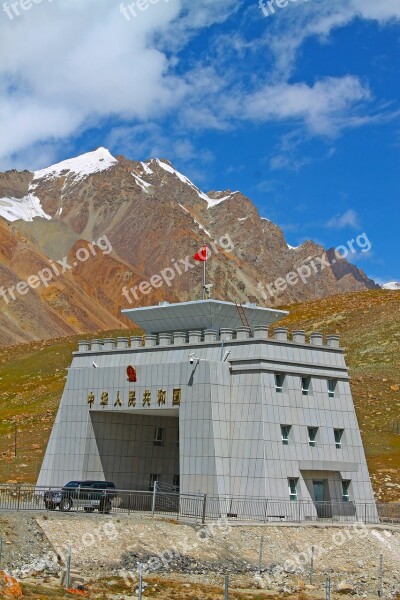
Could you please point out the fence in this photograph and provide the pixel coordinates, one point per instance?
(394, 426)
(196, 507)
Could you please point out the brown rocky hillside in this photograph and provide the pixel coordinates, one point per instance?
(153, 217)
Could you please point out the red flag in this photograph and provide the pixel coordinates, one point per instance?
(201, 255)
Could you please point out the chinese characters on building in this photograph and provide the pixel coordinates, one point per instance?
(161, 399)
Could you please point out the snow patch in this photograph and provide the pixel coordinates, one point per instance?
(392, 285)
(185, 180)
(25, 209)
(200, 226)
(185, 209)
(147, 169)
(80, 167)
(141, 183)
(215, 202)
(243, 219)
(292, 247)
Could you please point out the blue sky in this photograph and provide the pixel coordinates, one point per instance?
(299, 109)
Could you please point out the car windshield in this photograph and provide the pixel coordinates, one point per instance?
(72, 484)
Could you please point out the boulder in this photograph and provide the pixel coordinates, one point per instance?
(346, 588)
(9, 587)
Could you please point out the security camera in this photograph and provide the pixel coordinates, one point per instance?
(95, 366)
(193, 358)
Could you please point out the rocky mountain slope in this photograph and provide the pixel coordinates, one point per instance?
(152, 217)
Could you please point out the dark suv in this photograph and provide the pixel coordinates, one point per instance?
(87, 494)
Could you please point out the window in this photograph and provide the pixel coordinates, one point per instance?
(345, 490)
(176, 483)
(279, 379)
(331, 387)
(154, 477)
(158, 436)
(293, 489)
(312, 436)
(305, 385)
(338, 437)
(285, 431)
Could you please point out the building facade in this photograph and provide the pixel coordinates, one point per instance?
(204, 402)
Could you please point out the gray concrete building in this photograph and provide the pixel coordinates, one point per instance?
(214, 398)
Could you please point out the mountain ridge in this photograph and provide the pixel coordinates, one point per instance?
(153, 217)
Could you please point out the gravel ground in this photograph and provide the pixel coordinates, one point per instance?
(111, 545)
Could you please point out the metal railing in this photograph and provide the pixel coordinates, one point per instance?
(198, 507)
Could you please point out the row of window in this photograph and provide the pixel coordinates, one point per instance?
(293, 483)
(312, 435)
(305, 385)
(159, 436)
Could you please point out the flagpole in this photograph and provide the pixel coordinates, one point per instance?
(204, 274)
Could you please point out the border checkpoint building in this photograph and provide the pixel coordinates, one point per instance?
(204, 402)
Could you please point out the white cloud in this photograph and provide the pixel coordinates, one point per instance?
(66, 65)
(70, 65)
(320, 106)
(347, 219)
(291, 27)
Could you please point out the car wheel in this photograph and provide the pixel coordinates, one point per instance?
(105, 507)
(66, 504)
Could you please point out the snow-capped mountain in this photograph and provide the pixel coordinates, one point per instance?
(79, 167)
(154, 217)
(392, 285)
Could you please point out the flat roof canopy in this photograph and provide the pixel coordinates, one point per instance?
(200, 314)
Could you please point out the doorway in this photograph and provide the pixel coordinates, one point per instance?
(322, 507)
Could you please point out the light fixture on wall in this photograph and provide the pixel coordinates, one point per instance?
(225, 357)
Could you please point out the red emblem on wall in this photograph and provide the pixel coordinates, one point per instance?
(131, 372)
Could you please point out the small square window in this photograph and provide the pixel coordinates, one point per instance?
(312, 436)
(331, 387)
(285, 431)
(293, 488)
(338, 437)
(279, 380)
(154, 477)
(305, 385)
(345, 490)
(159, 434)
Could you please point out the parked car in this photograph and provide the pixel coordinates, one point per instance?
(90, 495)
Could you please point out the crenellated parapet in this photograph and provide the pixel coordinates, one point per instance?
(225, 335)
